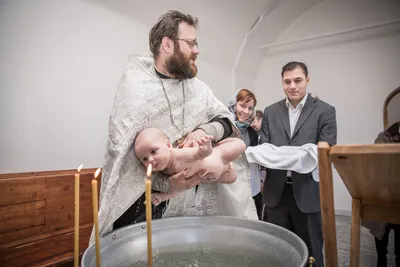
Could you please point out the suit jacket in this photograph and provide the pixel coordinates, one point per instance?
(317, 122)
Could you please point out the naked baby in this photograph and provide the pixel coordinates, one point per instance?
(153, 146)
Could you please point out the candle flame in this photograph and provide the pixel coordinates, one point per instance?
(80, 168)
(97, 173)
(149, 170)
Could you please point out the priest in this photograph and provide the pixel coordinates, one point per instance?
(162, 91)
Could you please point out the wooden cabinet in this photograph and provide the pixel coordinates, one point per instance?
(37, 217)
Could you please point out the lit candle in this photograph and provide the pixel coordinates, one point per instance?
(148, 217)
(96, 216)
(76, 240)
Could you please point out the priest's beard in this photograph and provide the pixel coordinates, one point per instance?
(181, 66)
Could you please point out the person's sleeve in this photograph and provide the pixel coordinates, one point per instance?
(221, 122)
(160, 182)
(218, 128)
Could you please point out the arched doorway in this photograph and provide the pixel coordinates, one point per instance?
(391, 109)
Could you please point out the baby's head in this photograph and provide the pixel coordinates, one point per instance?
(152, 146)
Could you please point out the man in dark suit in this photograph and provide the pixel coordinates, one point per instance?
(292, 199)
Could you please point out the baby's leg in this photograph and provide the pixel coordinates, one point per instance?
(157, 198)
(205, 146)
(230, 148)
(229, 176)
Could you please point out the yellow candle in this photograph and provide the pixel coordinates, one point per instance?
(96, 217)
(148, 217)
(76, 236)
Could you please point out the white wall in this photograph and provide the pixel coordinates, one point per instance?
(60, 63)
(354, 72)
(276, 17)
(217, 77)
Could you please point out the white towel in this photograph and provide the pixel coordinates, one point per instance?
(301, 159)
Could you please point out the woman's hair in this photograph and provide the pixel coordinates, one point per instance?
(246, 96)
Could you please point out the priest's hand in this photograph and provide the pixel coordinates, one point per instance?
(191, 139)
(180, 181)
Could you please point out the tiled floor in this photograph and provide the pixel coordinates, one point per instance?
(367, 249)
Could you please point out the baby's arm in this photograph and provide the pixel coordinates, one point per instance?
(190, 154)
(231, 148)
(224, 153)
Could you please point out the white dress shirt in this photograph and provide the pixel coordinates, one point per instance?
(294, 114)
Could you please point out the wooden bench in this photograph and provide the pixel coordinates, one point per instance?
(37, 217)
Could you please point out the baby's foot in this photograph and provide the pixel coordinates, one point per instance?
(156, 199)
(205, 146)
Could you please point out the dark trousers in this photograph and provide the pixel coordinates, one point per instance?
(307, 226)
(137, 213)
(258, 201)
(381, 245)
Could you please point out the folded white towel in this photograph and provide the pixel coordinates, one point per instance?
(301, 159)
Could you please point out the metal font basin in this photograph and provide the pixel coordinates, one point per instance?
(203, 242)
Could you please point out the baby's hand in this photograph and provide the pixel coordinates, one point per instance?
(205, 146)
(156, 199)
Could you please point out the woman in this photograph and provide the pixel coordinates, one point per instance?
(243, 109)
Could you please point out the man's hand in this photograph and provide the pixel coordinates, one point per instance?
(179, 181)
(191, 139)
